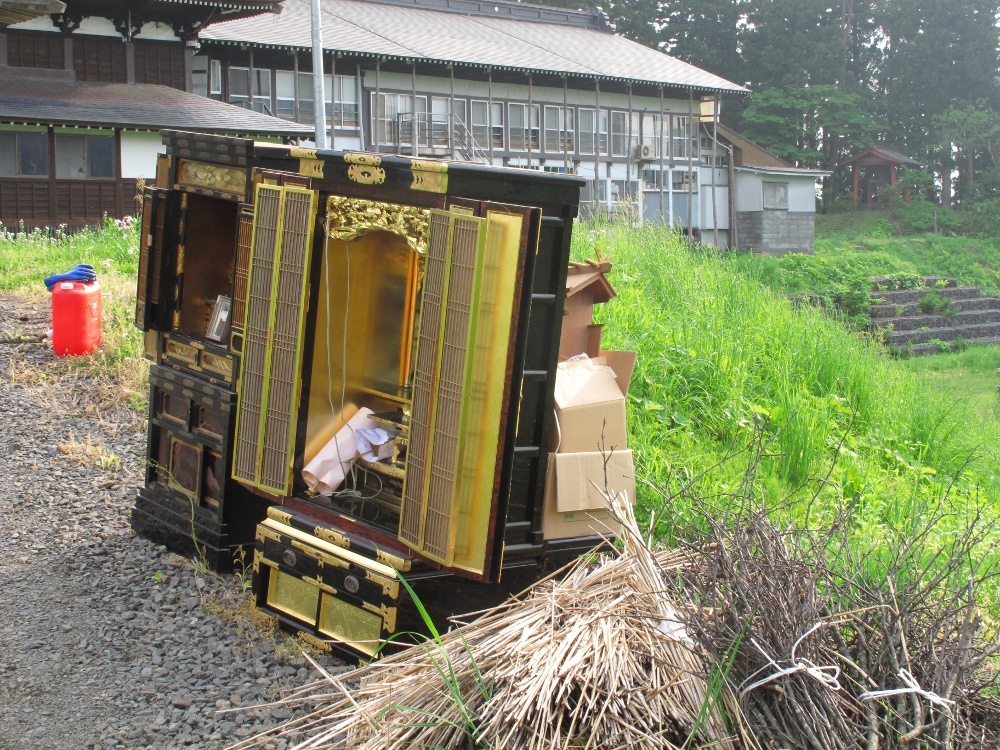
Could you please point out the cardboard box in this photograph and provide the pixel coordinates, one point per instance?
(590, 400)
(573, 505)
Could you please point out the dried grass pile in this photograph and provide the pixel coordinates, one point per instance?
(598, 658)
(803, 638)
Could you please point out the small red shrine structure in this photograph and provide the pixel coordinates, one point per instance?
(876, 167)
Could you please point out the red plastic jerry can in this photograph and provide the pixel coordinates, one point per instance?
(76, 318)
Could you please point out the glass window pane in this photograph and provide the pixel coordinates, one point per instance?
(33, 154)
(284, 88)
(8, 155)
(775, 195)
(199, 75)
(239, 82)
(71, 159)
(215, 78)
(261, 82)
(100, 155)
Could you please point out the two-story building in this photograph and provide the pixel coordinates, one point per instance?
(497, 82)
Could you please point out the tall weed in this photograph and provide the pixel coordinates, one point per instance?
(720, 353)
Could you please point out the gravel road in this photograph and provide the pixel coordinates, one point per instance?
(109, 640)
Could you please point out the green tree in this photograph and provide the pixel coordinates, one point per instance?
(940, 55)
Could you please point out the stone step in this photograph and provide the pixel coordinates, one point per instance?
(904, 296)
(879, 312)
(928, 281)
(918, 321)
(921, 350)
(897, 339)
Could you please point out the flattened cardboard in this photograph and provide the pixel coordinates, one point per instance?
(573, 505)
(589, 402)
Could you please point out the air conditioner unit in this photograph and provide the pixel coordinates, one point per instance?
(644, 152)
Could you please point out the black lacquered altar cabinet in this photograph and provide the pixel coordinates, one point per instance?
(290, 296)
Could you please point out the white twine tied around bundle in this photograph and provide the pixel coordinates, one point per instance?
(825, 675)
(912, 686)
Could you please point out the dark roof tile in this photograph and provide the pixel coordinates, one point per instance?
(141, 106)
(415, 33)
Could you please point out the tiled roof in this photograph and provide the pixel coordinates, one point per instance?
(142, 106)
(409, 32)
(15, 11)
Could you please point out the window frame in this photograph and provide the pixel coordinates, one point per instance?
(18, 173)
(618, 132)
(778, 197)
(86, 171)
(586, 136)
(560, 122)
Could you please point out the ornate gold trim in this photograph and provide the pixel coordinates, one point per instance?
(366, 175)
(311, 168)
(281, 516)
(331, 536)
(350, 218)
(225, 179)
(429, 176)
(393, 561)
(388, 615)
(362, 158)
(299, 152)
(390, 587)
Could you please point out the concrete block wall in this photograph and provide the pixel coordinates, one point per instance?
(776, 232)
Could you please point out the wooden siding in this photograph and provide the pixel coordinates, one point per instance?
(161, 63)
(27, 50)
(23, 200)
(100, 59)
(78, 202)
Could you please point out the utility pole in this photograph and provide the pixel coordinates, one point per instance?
(319, 100)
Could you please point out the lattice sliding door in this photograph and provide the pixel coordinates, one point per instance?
(275, 307)
(466, 310)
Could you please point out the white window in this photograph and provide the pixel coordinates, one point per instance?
(479, 121)
(682, 179)
(683, 148)
(652, 179)
(650, 139)
(588, 131)
(619, 134)
(775, 195)
(496, 125)
(559, 130)
(304, 97)
(393, 117)
(524, 132)
(341, 96)
(284, 94)
(602, 132)
(215, 79)
(624, 191)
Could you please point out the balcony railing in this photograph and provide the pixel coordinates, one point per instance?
(431, 135)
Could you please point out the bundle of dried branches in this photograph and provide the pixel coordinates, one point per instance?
(835, 643)
(595, 658)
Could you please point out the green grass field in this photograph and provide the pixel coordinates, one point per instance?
(851, 437)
